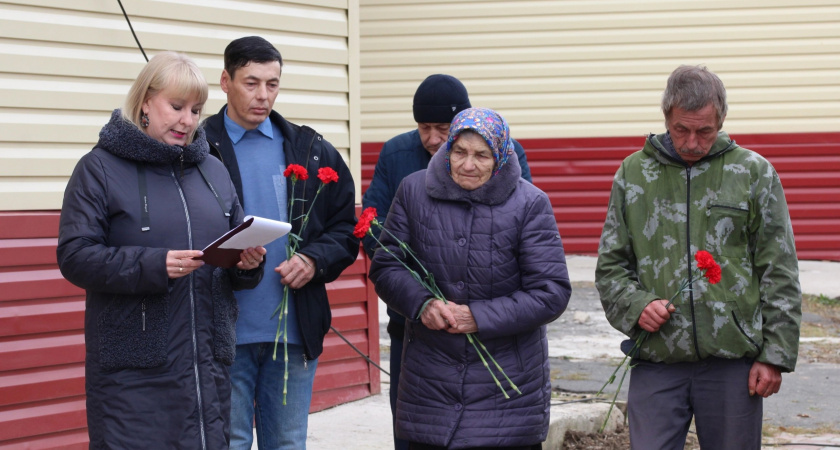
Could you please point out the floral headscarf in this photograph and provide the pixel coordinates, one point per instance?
(489, 125)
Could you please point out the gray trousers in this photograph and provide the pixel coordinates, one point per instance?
(663, 398)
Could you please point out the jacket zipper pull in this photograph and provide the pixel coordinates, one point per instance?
(304, 362)
(182, 163)
(144, 315)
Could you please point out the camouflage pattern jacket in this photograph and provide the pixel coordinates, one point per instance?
(731, 204)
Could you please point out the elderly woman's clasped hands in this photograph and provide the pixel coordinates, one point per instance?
(450, 317)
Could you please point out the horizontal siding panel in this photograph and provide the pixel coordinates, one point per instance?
(27, 252)
(26, 160)
(41, 316)
(403, 80)
(412, 22)
(597, 68)
(813, 195)
(32, 224)
(154, 26)
(673, 50)
(336, 349)
(816, 226)
(46, 283)
(89, 97)
(67, 440)
(42, 418)
(436, 9)
(338, 373)
(489, 37)
(350, 317)
(300, 16)
(568, 94)
(347, 290)
(40, 385)
(43, 351)
(322, 400)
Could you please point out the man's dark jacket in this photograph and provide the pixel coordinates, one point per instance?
(328, 238)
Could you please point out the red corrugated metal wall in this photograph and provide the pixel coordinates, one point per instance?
(577, 173)
(42, 401)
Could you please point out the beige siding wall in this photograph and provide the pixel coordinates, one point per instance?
(65, 65)
(559, 69)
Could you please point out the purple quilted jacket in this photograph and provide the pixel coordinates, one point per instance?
(497, 250)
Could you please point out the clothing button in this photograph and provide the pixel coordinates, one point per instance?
(458, 407)
(460, 367)
(460, 285)
(462, 242)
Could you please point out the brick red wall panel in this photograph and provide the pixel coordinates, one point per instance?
(577, 173)
(37, 418)
(67, 440)
(42, 339)
(50, 350)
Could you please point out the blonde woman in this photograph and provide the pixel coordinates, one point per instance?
(159, 324)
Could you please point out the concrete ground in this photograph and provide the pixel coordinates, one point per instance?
(583, 350)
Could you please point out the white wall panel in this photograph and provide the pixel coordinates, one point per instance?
(64, 66)
(577, 68)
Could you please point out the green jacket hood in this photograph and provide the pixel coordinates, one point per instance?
(657, 148)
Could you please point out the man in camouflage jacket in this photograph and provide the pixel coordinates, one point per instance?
(717, 346)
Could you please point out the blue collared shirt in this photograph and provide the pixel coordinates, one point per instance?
(259, 153)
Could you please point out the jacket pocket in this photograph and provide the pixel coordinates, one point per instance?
(737, 337)
(133, 332)
(225, 313)
(728, 227)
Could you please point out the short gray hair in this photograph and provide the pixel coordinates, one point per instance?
(692, 88)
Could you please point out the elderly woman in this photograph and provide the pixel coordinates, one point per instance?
(491, 241)
(159, 324)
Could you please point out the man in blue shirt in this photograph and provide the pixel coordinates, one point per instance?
(436, 102)
(257, 144)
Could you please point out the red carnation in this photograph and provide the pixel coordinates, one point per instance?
(297, 172)
(713, 274)
(704, 259)
(327, 175)
(362, 227)
(706, 262)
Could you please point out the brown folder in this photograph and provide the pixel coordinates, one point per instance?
(253, 232)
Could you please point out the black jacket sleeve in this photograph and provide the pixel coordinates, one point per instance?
(330, 241)
(83, 254)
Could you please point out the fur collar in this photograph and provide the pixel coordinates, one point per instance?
(122, 138)
(440, 185)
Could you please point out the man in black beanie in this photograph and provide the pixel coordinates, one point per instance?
(436, 102)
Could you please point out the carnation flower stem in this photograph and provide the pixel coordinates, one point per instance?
(637, 345)
(615, 397)
(483, 361)
(496, 364)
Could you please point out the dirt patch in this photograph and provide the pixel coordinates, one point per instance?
(820, 316)
(616, 440)
(820, 352)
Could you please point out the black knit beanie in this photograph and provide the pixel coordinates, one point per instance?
(439, 98)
